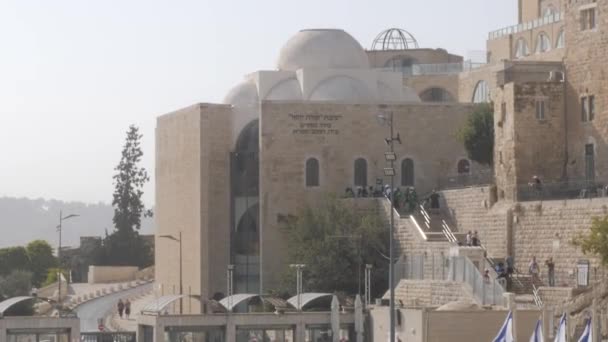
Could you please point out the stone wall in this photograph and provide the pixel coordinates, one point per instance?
(470, 209)
(546, 229)
(426, 293)
(111, 274)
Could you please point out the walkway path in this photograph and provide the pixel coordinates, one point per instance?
(101, 307)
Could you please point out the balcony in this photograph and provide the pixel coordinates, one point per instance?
(434, 69)
(549, 19)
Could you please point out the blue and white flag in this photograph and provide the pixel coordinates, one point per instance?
(560, 335)
(587, 335)
(537, 336)
(506, 331)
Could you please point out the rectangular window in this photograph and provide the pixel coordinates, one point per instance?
(588, 19)
(587, 108)
(540, 110)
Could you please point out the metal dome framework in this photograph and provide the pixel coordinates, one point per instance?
(394, 39)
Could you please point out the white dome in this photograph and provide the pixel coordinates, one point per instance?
(244, 94)
(341, 88)
(322, 49)
(288, 89)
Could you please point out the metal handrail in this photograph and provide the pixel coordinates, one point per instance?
(537, 300)
(549, 19)
(448, 232)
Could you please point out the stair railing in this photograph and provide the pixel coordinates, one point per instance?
(427, 217)
(448, 232)
(537, 300)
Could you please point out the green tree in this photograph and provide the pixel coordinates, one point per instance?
(13, 258)
(124, 246)
(596, 240)
(328, 239)
(17, 283)
(477, 134)
(42, 259)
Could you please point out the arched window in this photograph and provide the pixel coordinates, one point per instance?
(312, 172)
(543, 43)
(464, 167)
(407, 172)
(561, 40)
(521, 48)
(436, 94)
(481, 93)
(246, 238)
(360, 172)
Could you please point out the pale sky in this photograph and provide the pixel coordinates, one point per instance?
(74, 74)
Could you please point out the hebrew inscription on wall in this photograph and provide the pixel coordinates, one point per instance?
(315, 124)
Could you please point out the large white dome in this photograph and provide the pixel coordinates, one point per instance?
(243, 94)
(322, 49)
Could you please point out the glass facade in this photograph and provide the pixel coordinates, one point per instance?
(195, 334)
(245, 232)
(43, 335)
(270, 334)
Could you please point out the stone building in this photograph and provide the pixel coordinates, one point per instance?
(317, 123)
(283, 138)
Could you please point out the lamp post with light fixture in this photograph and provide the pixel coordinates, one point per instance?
(181, 283)
(390, 171)
(60, 229)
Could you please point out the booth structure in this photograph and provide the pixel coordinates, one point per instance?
(36, 328)
(241, 321)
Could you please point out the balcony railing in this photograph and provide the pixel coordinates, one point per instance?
(572, 189)
(549, 19)
(434, 69)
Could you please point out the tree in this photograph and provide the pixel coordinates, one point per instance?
(477, 134)
(17, 283)
(328, 239)
(124, 246)
(42, 259)
(596, 241)
(13, 258)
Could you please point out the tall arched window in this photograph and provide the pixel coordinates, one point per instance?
(521, 48)
(312, 172)
(543, 43)
(407, 172)
(464, 167)
(360, 172)
(481, 93)
(561, 40)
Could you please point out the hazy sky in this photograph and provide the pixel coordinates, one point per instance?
(74, 74)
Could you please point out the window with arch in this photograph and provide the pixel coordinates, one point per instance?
(561, 40)
(360, 172)
(436, 94)
(407, 172)
(464, 167)
(521, 48)
(543, 43)
(312, 172)
(481, 93)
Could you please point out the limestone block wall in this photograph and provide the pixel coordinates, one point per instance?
(546, 229)
(111, 274)
(469, 210)
(430, 293)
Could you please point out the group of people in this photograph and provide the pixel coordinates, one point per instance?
(403, 199)
(534, 270)
(472, 239)
(124, 308)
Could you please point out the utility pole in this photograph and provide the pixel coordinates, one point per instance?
(59, 229)
(181, 279)
(298, 268)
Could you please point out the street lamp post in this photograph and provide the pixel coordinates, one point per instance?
(390, 171)
(368, 284)
(181, 280)
(298, 268)
(59, 229)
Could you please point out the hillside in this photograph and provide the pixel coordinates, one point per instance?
(23, 220)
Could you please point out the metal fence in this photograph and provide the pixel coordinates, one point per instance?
(107, 337)
(434, 69)
(465, 180)
(459, 269)
(560, 190)
(546, 20)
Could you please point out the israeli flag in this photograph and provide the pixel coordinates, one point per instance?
(537, 336)
(587, 335)
(560, 336)
(506, 331)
